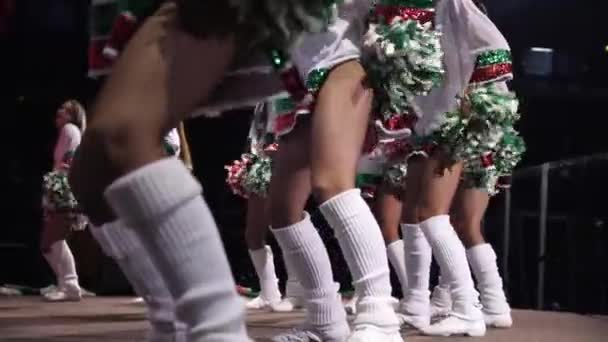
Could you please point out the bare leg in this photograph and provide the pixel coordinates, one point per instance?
(388, 209)
(437, 191)
(414, 309)
(162, 74)
(340, 123)
(301, 244)
(258, 222)
(262, 257)
(470, 206)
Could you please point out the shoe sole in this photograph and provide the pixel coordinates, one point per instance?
(500, 325)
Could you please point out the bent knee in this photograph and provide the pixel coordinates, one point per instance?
(327, 186)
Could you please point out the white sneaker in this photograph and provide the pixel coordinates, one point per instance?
(48, 289)
(63, 296)
(351, 306)
(296, 302)
(455, 325)
(297, 335)
(137, 301)
(284, 305)
(501, 321)
(372, 333)
(411, 321)
(441, 302)
(258, 303)
(87, 293)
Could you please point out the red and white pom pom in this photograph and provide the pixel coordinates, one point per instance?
(237, 171)
(123, 29)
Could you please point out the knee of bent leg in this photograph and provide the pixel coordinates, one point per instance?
(426, 210)
(102, 157)
(326, 185)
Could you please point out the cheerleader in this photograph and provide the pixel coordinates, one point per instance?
(381, 181)
(249, 178)
(127, 251)
(60, 208)
(319, 153)
(470, 204)
(458, 140)
(170, 66)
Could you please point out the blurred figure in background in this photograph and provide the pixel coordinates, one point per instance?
(61, 215)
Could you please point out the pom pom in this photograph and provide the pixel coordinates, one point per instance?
(280, 23)
(57, 195)
(395, 176)
(236, 174)
(250, 174)
(482, 135)
(405, 61)
(257, 179)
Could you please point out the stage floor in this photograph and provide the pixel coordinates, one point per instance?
(116, 319)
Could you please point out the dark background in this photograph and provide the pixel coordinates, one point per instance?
(43, 46)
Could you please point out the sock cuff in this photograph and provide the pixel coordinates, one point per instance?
(405, 226)
(411, 232)
(262, 250)
(99, 234)
(123, 239)
(148, 192)
(439, 220)
(395, 244)
(292, 237)
(483, 251)
(343, 206)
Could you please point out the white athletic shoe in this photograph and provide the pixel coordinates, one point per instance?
(501, 321)
(409, 320)
(260, 303)
(441, 303)
(284, 305)
(67, 294)
(455, 325)
(296, 302)
(413, 322)
(86, 293)
(371, 333)
(63, 296)
(48, 289)
(137, 301)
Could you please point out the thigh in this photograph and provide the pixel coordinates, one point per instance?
(470, 205)
(413, 184)
(290, 184)
(56, 227)
(437, 188)
(387, 209)
(162, 75)
(340, 123)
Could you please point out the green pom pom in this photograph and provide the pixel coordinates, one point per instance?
(57, 194)
(482, 135)
(281, 22)
(406, 61)
(257, 179)
(395, 176)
